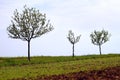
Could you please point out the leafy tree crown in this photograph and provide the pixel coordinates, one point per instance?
(71, 37)
(28, 24)
(99, 37)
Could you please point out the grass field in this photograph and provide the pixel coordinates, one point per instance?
(12, 68)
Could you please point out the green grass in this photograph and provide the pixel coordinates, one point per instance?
(42, 66)
(13, 61)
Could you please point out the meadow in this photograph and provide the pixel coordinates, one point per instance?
(20, 67)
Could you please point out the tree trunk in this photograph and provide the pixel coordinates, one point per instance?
(100, 49)
(73, 50)
(29, 50)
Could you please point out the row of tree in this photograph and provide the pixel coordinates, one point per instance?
(31, 24)
(97, 38)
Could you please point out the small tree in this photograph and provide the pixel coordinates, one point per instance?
(99, 37)
(73, 40)
(28, 25)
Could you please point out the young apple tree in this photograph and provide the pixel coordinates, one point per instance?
(28, 25)
(99, 37)
(71, 37)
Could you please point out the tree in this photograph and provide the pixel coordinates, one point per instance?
(99, 37)
(73, 40)
(28, 25)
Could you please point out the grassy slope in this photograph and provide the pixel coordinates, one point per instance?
(20, 67)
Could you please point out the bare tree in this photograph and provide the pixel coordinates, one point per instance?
(28, 25)
(99, 37)
(73, 40)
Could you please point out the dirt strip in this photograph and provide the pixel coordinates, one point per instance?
(106, 74)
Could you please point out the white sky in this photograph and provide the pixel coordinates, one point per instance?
(80, 16)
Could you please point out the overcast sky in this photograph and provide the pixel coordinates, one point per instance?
(80, 16)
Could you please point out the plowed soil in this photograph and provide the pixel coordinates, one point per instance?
(105, 74)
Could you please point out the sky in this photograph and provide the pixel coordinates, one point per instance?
(80, 16)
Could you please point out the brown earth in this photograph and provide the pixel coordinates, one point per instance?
(105, 74)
